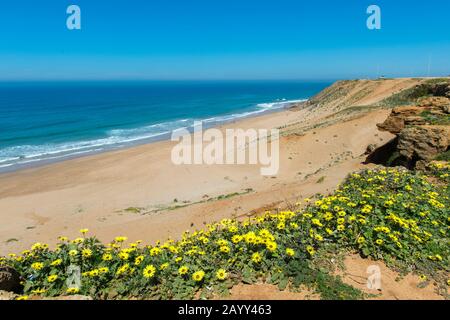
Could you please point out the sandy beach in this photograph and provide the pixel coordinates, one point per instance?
(136, 191)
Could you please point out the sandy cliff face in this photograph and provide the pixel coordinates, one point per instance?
(345, 100)
(351, 93)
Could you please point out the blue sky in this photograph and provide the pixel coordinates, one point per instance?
(223, 39)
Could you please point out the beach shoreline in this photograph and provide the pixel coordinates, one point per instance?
(140, 193)
(160, 138)
(44, 126)
(133, 191)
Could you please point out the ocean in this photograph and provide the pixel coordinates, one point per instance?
(42, 122)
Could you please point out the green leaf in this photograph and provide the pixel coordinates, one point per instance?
(283, 283)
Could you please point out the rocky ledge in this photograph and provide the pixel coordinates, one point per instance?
(422, 130)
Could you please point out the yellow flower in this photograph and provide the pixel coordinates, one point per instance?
(73, 253)
(164, 266)
(86, 253)
(103, 270)
(221, 274)
(55, 263)
(225, 249)
(388, 203)
(361, 240)
(72, 290)
(250, 237)
(37, 265)
(342, 213)
(120, 239)
(318, 237)
(173, 249)
(52, 278)
(78, 240)
(138, 260)
(93, 273)
(265, 233)
(310, 250)
(123, 269)
(256, 257)
(84, 231)
(183, 270)
(22, 298)
(340, 221)
(123, 255)
(236, 238)
(38, 291)
(271, 246)
(225, 222)
(149, 271)
(379, 242)
(155, 251)
(198, 276)
(107, 257)
(63, 239)
(37, 246)
(423, 277)
(204, 239)
(134, 245)
(367, 209)
(290, 252)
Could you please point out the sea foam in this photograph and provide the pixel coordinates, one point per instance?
(23, 155)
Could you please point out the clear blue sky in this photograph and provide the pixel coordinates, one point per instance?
(223, 39)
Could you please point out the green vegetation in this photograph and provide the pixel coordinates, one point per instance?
(405, 97)
(185, 203)
(436, 119)
(395, 215)
(410, 96)
(321, 179)
(134, 209)
(445, 156)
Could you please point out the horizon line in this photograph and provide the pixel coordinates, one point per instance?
(212, 79)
